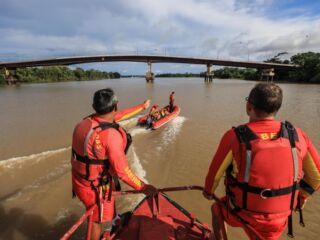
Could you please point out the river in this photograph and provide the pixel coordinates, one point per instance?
(37, 121)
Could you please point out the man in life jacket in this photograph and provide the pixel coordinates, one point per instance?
(98, 157)
(270, 168)
(171, 102)
(151, 117)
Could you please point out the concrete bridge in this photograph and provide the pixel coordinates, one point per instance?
(268, 68)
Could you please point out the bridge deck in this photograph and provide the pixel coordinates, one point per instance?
(142, 58)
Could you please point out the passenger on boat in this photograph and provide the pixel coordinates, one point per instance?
(270, 168)
(151, 113)
(164, 112)
(156, 115)
(98, 157)
(171, 102)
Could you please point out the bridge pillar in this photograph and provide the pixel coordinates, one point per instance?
(209, 74)
(267, 74)
(9, 76)
(149, 74)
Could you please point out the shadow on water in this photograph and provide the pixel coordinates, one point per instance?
(15, 223)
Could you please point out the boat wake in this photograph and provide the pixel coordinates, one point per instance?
(14, 161)
(172, 129)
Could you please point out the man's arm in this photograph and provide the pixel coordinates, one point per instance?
(118, 160)
(130, 112)
(311, 169)
(220, 162)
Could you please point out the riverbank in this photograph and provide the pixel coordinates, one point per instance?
(58, 74)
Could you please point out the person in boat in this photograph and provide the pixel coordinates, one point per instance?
(156, 115)
(99, 149)
(164, 112)
(150, 118)
(171, 102)
(271, 169)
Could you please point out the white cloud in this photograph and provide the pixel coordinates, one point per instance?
(207, 28)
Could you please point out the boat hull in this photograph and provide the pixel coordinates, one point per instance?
(161, 218)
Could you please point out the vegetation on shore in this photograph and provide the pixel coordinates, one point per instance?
(309, 71)
(58, 74)
(177, 75)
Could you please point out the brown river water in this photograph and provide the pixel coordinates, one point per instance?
(37, 121)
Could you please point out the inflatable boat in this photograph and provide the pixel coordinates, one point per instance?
(163, 120)
(156, 217)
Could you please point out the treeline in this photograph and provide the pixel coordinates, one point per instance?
(227, 72)
(59, 74)
(178, 75)
(309, 71)
(238, 73)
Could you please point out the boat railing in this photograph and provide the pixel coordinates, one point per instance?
(89, 214)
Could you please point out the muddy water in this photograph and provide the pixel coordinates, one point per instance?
(37, 122)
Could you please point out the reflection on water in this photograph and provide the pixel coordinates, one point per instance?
(38, 120)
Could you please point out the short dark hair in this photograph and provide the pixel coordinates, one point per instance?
(266, 97)
(104, 101)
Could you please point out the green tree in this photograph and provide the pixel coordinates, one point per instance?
(310, 67)
(2, 77)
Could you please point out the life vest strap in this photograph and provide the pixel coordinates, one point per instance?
(263, 192)
(305, 186)
(89, 161)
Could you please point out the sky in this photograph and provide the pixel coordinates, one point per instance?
(224, 29)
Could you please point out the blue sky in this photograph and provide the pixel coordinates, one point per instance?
(228, 29)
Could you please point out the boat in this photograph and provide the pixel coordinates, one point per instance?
(129, 113)
(156, 217)
(162, 121)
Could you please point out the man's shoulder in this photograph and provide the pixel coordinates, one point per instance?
(229, 134)
(110, 133)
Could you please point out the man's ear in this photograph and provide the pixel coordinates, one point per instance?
(249, 108)
(115, 108)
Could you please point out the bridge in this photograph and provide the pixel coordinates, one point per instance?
(267, 68)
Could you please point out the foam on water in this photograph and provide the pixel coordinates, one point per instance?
(12, 162)
(137, 131)
(137, 166)
(62, 213)
(172, 130)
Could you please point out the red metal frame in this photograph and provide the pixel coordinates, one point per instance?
(89, 214)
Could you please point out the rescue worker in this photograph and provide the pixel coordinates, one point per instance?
(265, 161)
(171, 102)
(98, 158)
(152, 111)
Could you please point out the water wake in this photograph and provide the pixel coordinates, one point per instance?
(172, 130)
(137, 166)
(12, 162)
(130, 123)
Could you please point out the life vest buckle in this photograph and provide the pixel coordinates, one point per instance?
(267, 190)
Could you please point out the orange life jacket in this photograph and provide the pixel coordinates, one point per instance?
(85, 164)
(268, 178)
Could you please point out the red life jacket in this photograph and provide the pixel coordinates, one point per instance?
(85, 164)
(267, 181)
